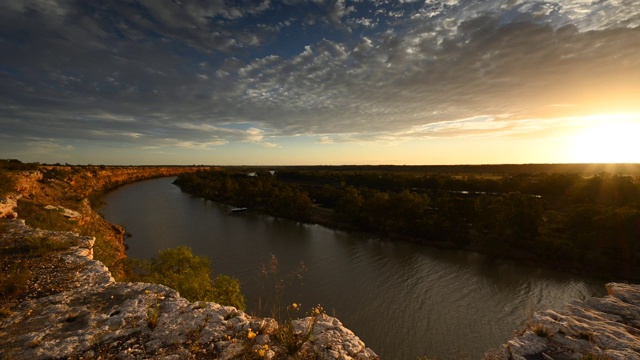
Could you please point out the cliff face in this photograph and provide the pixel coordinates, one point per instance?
(68, 189)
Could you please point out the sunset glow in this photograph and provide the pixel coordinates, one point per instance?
(319, 82)
(610, 139)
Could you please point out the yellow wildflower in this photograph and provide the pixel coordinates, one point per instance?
(262, 352)
(251, 334)
(317, 310)
(295, 306)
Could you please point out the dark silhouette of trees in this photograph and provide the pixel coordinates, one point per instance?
(565, 221)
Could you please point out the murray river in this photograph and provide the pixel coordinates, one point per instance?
(403, 300)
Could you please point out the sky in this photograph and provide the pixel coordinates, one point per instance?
(315, 82)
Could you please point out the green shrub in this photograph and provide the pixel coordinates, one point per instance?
(7, 183)
(190, 275)
(226, 291)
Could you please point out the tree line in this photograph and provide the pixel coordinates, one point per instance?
(564, 221)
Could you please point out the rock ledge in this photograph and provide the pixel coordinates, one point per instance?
(599, 328)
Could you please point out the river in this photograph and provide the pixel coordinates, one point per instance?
(403, 300)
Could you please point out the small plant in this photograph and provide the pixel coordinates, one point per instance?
(7, 182)
(38, 217)
(273, 285)
(541, 331)
(153, 312)
(263, 351)
(15, 279)
(42, 245)
(293, 343)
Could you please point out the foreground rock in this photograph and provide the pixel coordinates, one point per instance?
(598, 328)
(77, 310)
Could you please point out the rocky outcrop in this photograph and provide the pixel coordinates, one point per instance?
(598, 328)
(7, 206)
(77, 310)
(68, 190)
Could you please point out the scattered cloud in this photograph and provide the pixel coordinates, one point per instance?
(202, 74)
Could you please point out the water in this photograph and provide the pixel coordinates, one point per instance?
(403, 300)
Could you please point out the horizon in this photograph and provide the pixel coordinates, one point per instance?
(576, 164)
(330, 82)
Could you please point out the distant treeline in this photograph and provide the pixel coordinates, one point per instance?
(564, 221)
(478, 170)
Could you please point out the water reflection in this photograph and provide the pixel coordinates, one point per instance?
(404, 300)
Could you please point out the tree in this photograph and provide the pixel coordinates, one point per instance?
(190, 275)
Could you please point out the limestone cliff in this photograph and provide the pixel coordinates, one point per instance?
(68, 189)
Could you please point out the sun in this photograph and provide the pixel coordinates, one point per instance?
(608, 139)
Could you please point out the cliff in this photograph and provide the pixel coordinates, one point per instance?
(51, 195)
(58, 302)
(599, 328)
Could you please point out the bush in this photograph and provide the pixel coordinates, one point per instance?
(7, 183)
(190, 275)
(226, 291)
(38, 217)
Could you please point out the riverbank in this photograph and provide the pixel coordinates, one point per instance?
(561, 222)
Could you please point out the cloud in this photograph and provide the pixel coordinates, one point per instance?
(201, 74)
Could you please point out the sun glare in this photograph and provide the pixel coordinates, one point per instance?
(613, 139)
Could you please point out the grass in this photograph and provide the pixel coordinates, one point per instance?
(153, 314)
(12, 283)
(36, 246)
(541, 331)
(38, 217)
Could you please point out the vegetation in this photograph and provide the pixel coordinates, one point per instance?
(190, 275)
(18, 258)
(565, 221)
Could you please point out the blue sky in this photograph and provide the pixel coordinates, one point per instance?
(319, 81)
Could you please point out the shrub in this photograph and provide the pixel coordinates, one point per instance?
(226, 291)
(12, 281)
(7, 183)
(190, 275)
(38, 217)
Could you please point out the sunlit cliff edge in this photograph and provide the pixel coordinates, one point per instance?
(73, 307)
